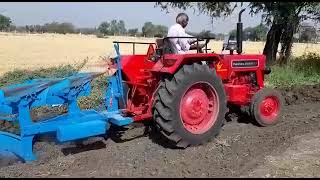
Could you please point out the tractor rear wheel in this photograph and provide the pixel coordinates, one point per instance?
(266, 107)
(190, 106)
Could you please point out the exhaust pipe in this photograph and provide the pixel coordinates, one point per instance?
(239, 33)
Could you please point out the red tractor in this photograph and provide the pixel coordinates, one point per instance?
(188, 95)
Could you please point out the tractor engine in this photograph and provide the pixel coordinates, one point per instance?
(244, 78)
(242, 75)
(241, 87)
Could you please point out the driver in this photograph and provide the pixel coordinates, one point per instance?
(182, 45)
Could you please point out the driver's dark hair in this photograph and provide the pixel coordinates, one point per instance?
(182, 17)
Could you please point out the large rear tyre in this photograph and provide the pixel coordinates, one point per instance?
(266, 107)
(190, 106)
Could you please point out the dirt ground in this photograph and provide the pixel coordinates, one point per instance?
(288, 149)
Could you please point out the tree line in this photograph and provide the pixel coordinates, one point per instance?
(106, 28)
(257, 33)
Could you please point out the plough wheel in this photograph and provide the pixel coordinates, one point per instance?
(190, 106)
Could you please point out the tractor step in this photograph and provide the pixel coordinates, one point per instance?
(119, 120)
(81, 130)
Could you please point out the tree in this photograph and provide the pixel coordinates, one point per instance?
(220, 36)
(308, 34)
(86, 30)
(160, 31)
(12, 28)
(233, 33)
(148, 29)
(104, 28)
(121, 27)
(213, 9)
(114, 27)
(133, 32)
(5, 23)
(206, 33)
(152, 30)
(48, 27)
(284, 18)
(260, 32)
(53, 27)
(65, 28)
(257, 33)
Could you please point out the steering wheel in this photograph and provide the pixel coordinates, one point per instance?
(205, 45)
(207, 41)
(200, 39)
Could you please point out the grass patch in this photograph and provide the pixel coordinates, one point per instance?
(303, 70)
(21, 75)
(96, 98)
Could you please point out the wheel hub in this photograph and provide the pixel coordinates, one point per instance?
(199, 108)
(269, 108)
(195, 106)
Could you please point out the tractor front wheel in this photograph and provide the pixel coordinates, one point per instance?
(190, 106)
(266, 107)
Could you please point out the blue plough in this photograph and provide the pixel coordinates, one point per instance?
(16, 102)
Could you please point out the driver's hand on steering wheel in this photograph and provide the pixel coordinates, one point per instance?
(201, 46)
(193, 42)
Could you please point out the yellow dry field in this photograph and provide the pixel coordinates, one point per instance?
(31, 51)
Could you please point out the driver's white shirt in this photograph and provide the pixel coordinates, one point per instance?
(182, 44)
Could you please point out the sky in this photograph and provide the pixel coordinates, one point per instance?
(134, 14)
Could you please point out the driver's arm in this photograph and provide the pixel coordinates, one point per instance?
(183, 42)
(199, 47)
(190, 40)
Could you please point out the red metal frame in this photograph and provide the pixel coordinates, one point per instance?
(143, 76)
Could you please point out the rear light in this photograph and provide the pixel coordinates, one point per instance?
(169, 62)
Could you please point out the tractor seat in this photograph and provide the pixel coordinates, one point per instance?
(159, 43)
(169, 48)
(164, 46)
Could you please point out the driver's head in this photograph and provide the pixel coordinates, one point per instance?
(182, 19)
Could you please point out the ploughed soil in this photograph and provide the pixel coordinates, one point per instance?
(291, 148)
